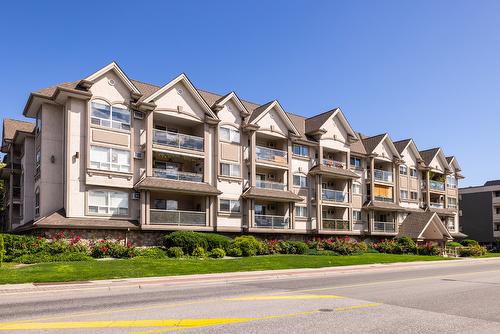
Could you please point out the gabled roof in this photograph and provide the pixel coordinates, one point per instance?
(271, 194)
(231, 96)
(316, 122)
(416, 223)
(430, 154)
(113, 66)
(453, 161)
(371, 143)
(403, 144)
(357, 147)
(11, 127)
(258, 113)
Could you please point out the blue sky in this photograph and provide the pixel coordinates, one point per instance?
(429, 70)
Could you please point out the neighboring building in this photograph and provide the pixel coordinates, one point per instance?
(480, 211)
(108, 153)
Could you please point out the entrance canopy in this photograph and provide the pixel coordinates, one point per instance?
(424, 226)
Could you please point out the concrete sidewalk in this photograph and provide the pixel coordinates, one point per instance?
(222, 278)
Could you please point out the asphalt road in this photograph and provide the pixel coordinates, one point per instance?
(444, 297)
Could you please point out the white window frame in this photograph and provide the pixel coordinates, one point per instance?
(108, 207)
(405, 197)
(303, 181)
(413, 170)
(403, 170)
(356, 159)
(38, 162)
(356, 185)
(301, 150)
(301, 211)
(233, 135)
(110, 122)
(453, 184)
(110, 165)
(356, 212)
(232, 170)
(232, 203)
(37, 201)
(413, 192)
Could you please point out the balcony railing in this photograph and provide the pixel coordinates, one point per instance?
(335, 224)
(436, 205)
(267, 221)
(383, 199)
(452, 206)
(334, 196)
(333, 163)
(436, 185)
(271, 154)
(387, 227)
(177, 175)
(178, 140)
(177, 217)
(382, 175)
(270, 185)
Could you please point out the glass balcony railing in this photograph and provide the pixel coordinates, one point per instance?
(436, 205)
(436, 185)
(335, 224)
(177, 175)
(382, 175)
(270, 185)
(334, 196)
(383, 199)
(268, 221)
(333, 163)
(387, 227)
(177, 217)
(271, 154)
(179, 140)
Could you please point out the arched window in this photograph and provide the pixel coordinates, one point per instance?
(37, 201)
(116, 116)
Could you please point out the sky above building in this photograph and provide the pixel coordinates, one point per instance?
(429, 70)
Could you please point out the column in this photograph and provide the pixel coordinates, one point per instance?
(143, 208)
(149, 143)
(372, 179)
(252, 157)
(427, 189)
(397, 188)
(289, 171)
(319, 217)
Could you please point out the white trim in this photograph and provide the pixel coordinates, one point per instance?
(284, 115)
(237, 100)
(114, 66)
(391, 145)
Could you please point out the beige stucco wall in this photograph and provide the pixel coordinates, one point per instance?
(28, 163)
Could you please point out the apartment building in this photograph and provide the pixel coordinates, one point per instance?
(108, 153)
(480, 211)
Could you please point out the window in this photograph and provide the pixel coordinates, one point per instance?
(229, 205)
(497, 211)
(356, 162)
(403, 170)
(38, 160)
(230, 135)
(103, 202)
(404, 194)
(356, 215)
(300, 181)
(356, 188)
(166, 204)
(414, 195)
(497, 193)
(301, 150)
(413, 172)
(230, 170)
(301, 211)
(115, 117)
(38, 124)
(452, 202)
(451, 182)
(450, 223)
(37, 201)
(106, 158)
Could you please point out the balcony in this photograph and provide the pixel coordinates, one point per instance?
(177, 217)
(452, 206)
(436, 205)
(271, 154)
(334, 163)
(386, 227)
(382, 175)
(334, 196)
(272, 222)
(173, 174)
(335, 224)
(383, 199)
(270, 185)
(436, 185)
(177, 140)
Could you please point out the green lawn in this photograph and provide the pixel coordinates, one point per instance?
(94, 270)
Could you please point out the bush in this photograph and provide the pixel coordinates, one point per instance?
(475, 250)
(2, 250)
(345, 246)
(285, 247)
(248, 245)
(199, 252)
(407, 245)
(216, 241)
(234, 252)
(176, 252)
(109, 248)
(453, 244)
(388, 246)
(47, 257)
(18, 245)
(187, 240)
(428, 249)
(469, 242)
(217, 253)
(152, 253)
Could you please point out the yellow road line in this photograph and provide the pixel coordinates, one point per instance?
(345, 308)
(281, 297)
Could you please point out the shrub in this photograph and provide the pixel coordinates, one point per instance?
(294, 247)
(33, 258)
(428, 249)
(175, 252)
(217, 253)
(199, 252)
(18, 245)
(2, 249)
(344, 246)
(47, 257)
(389, 246)
(407, 245)
(216, 241)
(469, 242)
(248, 245)
(109, 248)
(453, 244)
(475, 250)
(152, 253)
(234, 252)
(187, 240)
